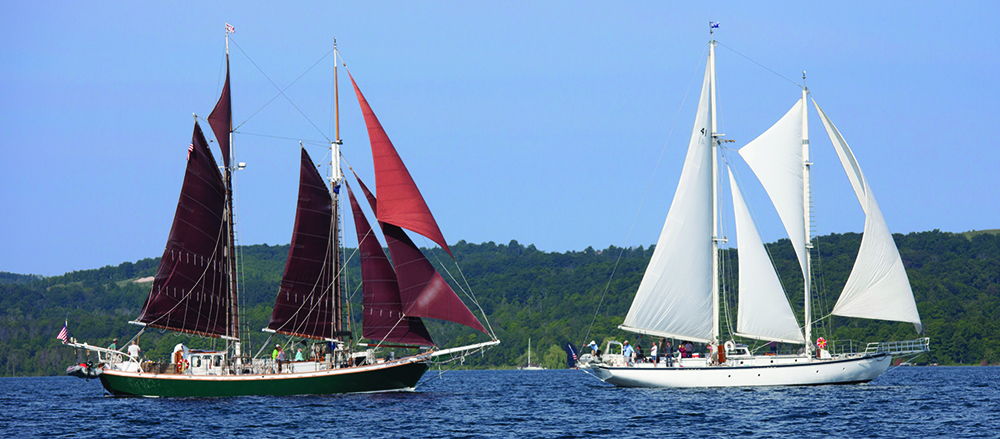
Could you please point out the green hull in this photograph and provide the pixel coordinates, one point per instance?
(375, 378)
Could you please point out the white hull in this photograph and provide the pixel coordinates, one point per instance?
(758, 371)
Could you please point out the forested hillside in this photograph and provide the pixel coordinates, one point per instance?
(553, 298)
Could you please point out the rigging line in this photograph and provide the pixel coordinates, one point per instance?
(761, 65)
(281, 91)
(470, 294)
(311, 142)
(649, 184)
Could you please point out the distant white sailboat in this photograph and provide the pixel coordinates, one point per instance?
(679, 293)
(531, 366)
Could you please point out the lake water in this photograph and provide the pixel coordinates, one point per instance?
(906, 402)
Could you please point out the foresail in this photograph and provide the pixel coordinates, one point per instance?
(763, 312)
(675, 296)
(382, 312)
(422, 290)
(400, 202)
(776, 159)
(877, 287)
(304, 305)
(190, 290)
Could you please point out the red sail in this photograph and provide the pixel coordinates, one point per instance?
(304, 306)
(401, 203)
(422, 290)
(190, 290)
(221, 118)
(382, 314)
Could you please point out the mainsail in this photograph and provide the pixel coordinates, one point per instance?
(675, 296)
(190, 290)
(382, 316)
(763, 312)
(304, 306)
(877, 287)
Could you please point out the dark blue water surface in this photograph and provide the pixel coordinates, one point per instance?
(905, 402)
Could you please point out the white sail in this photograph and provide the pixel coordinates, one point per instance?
(675, 296)
(763, 312)
(877, 287)
(776, 159)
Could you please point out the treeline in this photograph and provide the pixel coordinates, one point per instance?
(553, 298)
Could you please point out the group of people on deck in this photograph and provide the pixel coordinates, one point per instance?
(635, 354)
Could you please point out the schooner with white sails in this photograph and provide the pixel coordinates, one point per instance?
(679, 296)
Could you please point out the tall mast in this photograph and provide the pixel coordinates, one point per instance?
(715, 197)
(336, 176)
(231, 245)
(806, 198)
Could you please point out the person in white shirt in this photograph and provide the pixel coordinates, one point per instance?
(652, 354)
(134, 350)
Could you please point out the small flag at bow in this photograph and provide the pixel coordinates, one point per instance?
(230, 29)
(571, 351)
(713, 24)
(63, 334)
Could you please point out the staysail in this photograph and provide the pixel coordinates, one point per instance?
(382, 312)
(763, 312)
(675, 296)
(877, 287)
(190, 290)
(304, 306)
(422, 290)
(776, 159)
(400, 202)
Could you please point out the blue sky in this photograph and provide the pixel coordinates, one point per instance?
(560, 124)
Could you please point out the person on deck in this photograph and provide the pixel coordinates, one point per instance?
(628, 352)
(652, 354)
(689, 349)
(668, 353)
(298, 355)
(114, 345)
(134, 351)
(593, 347)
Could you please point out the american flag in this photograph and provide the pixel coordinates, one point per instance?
(190, 150)
(63, 334)
(230, 29)
(571, 351)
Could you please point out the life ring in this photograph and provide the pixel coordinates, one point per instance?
(730, 346)
(821, 342)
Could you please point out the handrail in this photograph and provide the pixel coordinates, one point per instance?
(900, 347)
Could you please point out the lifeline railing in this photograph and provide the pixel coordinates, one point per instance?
(900, 347)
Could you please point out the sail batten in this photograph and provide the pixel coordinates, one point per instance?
(675, 295)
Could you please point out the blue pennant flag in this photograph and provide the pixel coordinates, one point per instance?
(713, 24)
